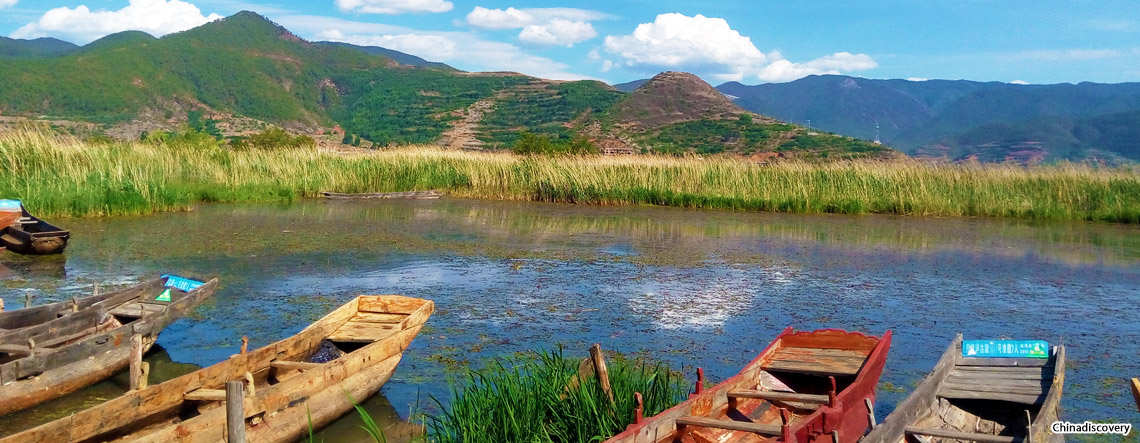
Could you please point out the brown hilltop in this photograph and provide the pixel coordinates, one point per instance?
(673, 97)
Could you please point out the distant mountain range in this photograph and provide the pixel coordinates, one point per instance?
(962, 119)
(245, 72)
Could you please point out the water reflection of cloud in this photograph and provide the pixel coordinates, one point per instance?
(687, 302)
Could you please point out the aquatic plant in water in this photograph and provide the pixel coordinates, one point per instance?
(531, 399)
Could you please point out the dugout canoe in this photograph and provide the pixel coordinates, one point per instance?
(998, 400)
(32, 236)
(1136, 391)
(816, 386)
(417, 195)
(365, 339)
(63, 347)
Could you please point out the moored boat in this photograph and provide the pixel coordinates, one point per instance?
(1136, 391)
(30, 235)
(419, 195)
(309, 379)
(974, 396)
(52, 350)
(816, 386)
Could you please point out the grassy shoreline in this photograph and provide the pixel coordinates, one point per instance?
(63, 176)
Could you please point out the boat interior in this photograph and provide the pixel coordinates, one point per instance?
(70, 322)
(370, 319)
(993, 400)
(797, 376)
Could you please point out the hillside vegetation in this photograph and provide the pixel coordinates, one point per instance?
(65, 176)
(244, 72)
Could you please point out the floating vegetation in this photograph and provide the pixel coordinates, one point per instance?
(532, 398)
(60, 175)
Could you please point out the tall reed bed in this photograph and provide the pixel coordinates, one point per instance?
(529, 401)
(64, 176)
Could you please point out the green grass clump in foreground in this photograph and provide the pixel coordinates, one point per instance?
(527, 400)
(65, 176)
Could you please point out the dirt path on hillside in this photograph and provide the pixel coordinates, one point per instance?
(462, 132)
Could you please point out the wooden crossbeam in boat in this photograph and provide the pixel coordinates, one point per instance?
(206, 395)
(363, 332)
(15, 349)
(1028, 399)
(299, 365)
(731, 425)
(1033, 374)
(966, 436)
(778, 396)
(988, 387)
(1003, 362)
(818, 361)
(137, 310)
(66, 338)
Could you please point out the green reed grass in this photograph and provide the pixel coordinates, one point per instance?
(59, 175)
(527, 400)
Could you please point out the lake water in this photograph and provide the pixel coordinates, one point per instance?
(692, 288)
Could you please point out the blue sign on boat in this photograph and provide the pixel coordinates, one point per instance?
(1005, 348)
(184, 284)
(10, 205)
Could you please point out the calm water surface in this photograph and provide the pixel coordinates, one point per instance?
(692, 288)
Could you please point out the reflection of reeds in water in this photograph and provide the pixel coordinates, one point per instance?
(528, 400)
(61, 175)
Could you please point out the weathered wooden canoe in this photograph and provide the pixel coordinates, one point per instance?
(421, 195)
(62, 347)
(980, 399)
(30, 235)
(1136, 391)
(804, 387)
(367, 336)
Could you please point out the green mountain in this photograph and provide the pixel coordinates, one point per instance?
(244, 72)
(960, 119)
(399, 57)
(40, 47)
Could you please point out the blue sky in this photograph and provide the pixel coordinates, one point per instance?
(751, 41)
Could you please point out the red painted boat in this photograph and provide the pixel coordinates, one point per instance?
(816, 386)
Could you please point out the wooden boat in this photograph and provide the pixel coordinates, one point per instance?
(980, 399)
(367, 337)
(1136, 391)
(30, 235)
(816, 386)
(52, 350)
(420, 195)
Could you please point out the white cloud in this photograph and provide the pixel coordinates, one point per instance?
(917, 79)
(558, 32)
(464, 50)
(540, 26)
(1020, 82)
(709, 46)
(394, 6)
(155, 17)
(7, 3)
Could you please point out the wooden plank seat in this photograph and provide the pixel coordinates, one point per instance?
(137, 309)
(289, 365)
(731, 425)
(965, 436)
(779, 396)
(817, 361)
(1004, 380)
(206, 395)
(366, 330)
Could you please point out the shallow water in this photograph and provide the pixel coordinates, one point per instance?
(692, 288)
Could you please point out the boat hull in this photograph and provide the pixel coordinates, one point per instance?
(33, 237)
(371, 331)
(37, 378)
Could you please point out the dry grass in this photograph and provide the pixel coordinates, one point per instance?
(65, 176)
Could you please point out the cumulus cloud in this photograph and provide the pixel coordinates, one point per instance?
(540, 26)
(917, 79)
(155, 17)
(709, 46)
(463, 50)
(7, 3)
(1020, 82)
(394, 6)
